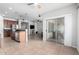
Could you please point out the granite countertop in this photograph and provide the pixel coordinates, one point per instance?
(20, 30)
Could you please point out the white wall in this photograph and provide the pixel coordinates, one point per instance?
(78, 31)
(36, 27)
(44, 30)
(68, 30)
(63, 11)
(1, 27)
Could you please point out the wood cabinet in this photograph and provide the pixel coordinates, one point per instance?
(7, 27)
(7, 33)
(22, 38)
(8, 23)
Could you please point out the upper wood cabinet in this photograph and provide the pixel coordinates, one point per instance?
(8, 23)
(7, 27)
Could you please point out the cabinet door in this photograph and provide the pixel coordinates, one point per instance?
(22, 39)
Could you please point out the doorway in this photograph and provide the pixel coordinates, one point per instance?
(55, 30)
(36, 30)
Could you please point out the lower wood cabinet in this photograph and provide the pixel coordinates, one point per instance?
(7, 33)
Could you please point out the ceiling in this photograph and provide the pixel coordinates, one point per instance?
(13, 10)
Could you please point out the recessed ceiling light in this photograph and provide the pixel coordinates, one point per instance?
(6, 12)
(3, 15)
(35, 4)
(10, 8)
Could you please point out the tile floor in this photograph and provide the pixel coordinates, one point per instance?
(36, 47)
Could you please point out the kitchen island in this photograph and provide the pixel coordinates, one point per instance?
(19, 35)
